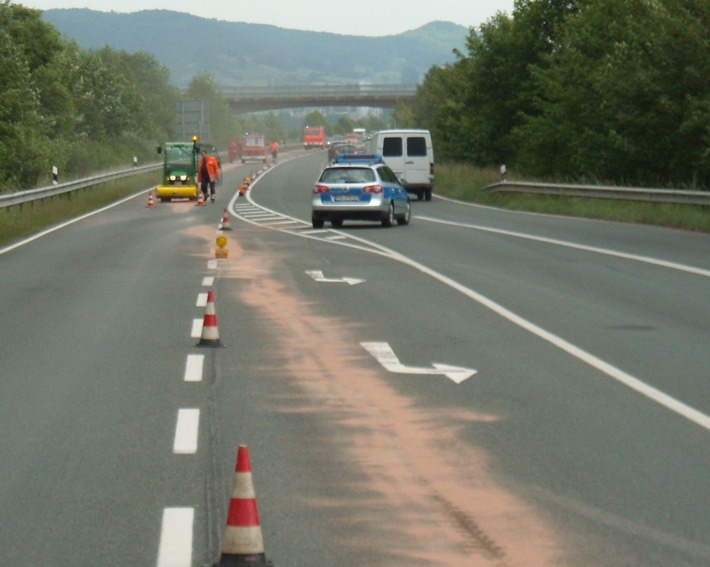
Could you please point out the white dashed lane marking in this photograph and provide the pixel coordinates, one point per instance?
(186, 430)
(193, 367)
(175, 548)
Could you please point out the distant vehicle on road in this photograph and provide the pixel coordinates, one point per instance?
(314, 137)
(345, 148)
(253, 147)
(180, 161)
(410, 154)
(361, 187)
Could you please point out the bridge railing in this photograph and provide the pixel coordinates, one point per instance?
(286, 91)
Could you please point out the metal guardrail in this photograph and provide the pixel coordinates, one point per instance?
(31, 195)
(678, 196)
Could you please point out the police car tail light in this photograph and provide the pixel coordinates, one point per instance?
(321, 189)
(372, 189)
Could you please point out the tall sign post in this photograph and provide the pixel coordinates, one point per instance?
(192, 119)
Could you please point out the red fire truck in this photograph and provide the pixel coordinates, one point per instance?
(314, 137)
(253, 147)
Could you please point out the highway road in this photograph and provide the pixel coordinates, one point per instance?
(479, 388)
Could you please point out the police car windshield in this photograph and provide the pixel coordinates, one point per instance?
(348, 175)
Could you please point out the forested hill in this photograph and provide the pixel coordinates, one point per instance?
(254, 54)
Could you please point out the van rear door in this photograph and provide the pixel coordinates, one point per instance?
(393, 153)
(417, 160)
(410, 156)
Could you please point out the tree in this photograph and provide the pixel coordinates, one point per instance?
(155, 96)
(274, 128)
(374, 123)
(625, 97)
(38, 41)
(22, 130)
(473, 105)
(77, 109)
(403, 116)
(438, 107)
(223, 124)
(314, 118)
(24, 146)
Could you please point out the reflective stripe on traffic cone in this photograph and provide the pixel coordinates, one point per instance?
(225, 221)
(210, 332)
(243, 544)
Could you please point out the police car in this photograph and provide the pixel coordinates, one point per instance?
(359, 187)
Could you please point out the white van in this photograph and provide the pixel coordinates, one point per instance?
(410, 154)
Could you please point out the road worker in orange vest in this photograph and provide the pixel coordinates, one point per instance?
(208, 173)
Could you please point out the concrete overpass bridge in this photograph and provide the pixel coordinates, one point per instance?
(255, 99)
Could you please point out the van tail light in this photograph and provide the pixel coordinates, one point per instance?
(321, 189)
(431, 169)
(372, 189)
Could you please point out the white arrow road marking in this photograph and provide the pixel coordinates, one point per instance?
(319, 277)
(387, 358)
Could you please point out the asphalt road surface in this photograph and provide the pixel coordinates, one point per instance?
(479, 388)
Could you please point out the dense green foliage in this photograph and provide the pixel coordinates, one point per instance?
(75, 109)
(580, 89)
(594, 90)
(83, 110)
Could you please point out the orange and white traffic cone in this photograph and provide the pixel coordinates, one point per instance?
(243, 544)
(150, 200)
(200, 198)
(225, 221)
(210, 332)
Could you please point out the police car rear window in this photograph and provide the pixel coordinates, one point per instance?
(348, 175)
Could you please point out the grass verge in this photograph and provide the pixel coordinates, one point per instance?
(22, 221)
(467, 183)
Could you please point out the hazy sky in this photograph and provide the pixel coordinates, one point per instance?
(359, 17)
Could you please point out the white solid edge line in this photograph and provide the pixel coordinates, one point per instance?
(617, 374)
(584, 247)
(175, 549)
(622, 377)
(69, 222)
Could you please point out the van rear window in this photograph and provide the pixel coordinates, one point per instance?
(392, 147)
(416, 146)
